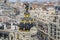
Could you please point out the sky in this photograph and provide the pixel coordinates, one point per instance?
(32, 0)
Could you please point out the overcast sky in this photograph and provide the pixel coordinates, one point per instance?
(33, 0)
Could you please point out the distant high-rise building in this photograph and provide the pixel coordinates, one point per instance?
(4, 1)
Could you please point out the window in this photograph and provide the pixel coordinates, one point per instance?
(58, 37)
(55, 37)
(46, 25)
(51, 28)
(58, 29)
(58, 8)
(56, 11)
(51, 31)
(46, 13)
(51, 34)
(51, 39)
(51, 25)
(55, 29)
(55, 26)
(54, 33)
(54, 20)
(58, 33)
(59, 20)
